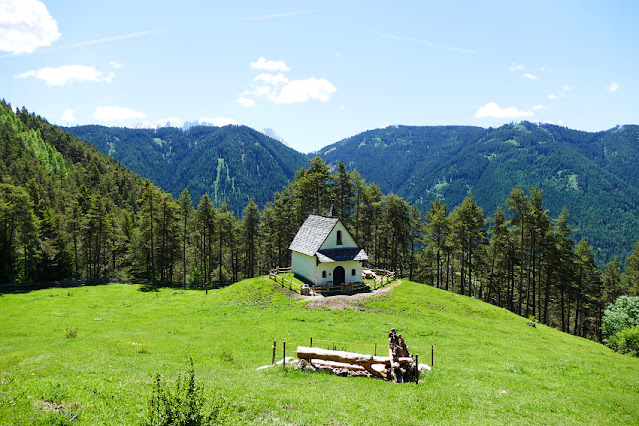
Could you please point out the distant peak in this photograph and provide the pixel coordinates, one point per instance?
(271, 134)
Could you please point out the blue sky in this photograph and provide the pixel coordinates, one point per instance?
(317, 72)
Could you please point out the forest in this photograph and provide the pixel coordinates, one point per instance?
(593, 174)
(69, 212)
(231, 164)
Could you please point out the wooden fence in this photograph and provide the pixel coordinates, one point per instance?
(32, 286)
(383, 276)
(274, 274)
(343, 345)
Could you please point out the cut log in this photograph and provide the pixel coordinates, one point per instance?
(397, 349)
(304, 352)
(334, 364)
(399, 366)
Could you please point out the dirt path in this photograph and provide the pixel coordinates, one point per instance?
(341, 302)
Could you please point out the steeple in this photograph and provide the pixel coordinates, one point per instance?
(332, 212)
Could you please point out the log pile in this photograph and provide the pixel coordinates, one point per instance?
(399, 366)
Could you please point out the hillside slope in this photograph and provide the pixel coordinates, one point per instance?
(490, 366)
(231, 163)
(57, 194)
(594, 175)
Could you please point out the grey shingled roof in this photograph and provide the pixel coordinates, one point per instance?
(341, 254)
(312, 234)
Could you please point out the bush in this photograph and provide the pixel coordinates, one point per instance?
(182, 404)
(625, 341)
(624, 313)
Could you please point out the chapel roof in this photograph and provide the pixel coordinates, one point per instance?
(341, 255)
(312, 234)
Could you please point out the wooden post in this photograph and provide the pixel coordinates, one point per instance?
(274, 348)
(311, 342)
(284, 354)
(375, 348)
(432, 356)
(416, 369)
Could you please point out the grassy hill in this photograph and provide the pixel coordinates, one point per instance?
(490, 366)
(230, 163)
(594, 175)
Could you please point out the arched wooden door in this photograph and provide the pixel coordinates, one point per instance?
(339, 275)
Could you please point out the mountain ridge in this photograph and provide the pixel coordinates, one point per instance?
(232, 164)
(591, 174)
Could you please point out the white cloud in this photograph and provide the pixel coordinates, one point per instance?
(491, 109)
(530, 76)
(60, 76)
(116, 64)
(247, 102)
(26, 25)
(561, 94)
(218, 121)
(514, 67)
(538, 107)
(304, 90)
(68, 116)
(262, 91)
(279, 89)
(114, 113)
(613, 86)
(271, 78)
(263, 64)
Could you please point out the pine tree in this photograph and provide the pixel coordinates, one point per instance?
(518, 205)
(437, 230)
(186, 210)
(250, 237)
(631, 272)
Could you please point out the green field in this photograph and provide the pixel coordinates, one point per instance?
(490, 366)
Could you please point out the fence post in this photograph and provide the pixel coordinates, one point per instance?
(432, 356)
(284, 354)
(375, 348)
(274, 348)
(416, 369)
(311, 342)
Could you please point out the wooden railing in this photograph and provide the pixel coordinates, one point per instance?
(383, 277)
(274, 274)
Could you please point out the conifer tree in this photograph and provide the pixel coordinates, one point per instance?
(437, 228)
(186, 211)
(250, 237)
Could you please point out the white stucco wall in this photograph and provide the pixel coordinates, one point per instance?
(348, 266)
(331, 241)
(306, 267)
(303, 265)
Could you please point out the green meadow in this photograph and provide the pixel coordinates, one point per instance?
(88, 356)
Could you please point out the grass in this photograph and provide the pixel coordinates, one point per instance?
(490, 366)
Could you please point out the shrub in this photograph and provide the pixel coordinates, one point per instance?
(624, 313)
(182, 404)
(625, 341)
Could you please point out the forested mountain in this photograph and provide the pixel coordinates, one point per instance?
(62, 203)
(594, 175)
(69, 211)
(232, 164)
